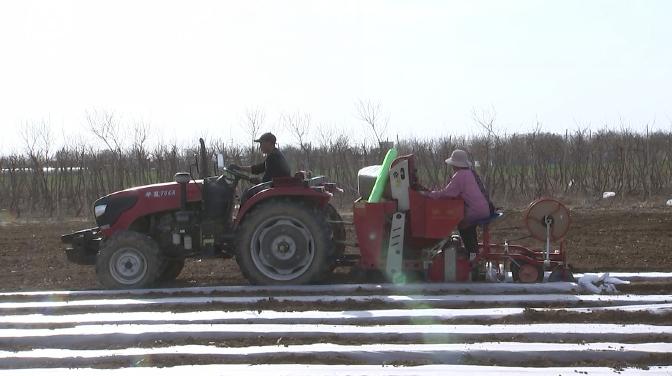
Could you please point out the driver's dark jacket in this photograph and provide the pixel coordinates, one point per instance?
(275, 166)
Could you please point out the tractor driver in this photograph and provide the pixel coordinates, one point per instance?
(274, 166)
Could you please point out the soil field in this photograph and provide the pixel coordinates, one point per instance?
(624, 239)
(425, 329)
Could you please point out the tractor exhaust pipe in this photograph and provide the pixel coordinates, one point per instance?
(182, 217)
(182, 178)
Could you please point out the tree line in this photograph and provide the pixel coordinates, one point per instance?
(514, 167)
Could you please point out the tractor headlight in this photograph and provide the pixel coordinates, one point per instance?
(99, 210)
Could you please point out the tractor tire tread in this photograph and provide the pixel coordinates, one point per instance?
(258, 214)
(141, 242)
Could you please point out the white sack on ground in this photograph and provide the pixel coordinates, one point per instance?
(600, 284)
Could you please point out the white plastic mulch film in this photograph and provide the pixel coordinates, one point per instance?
(536, 329)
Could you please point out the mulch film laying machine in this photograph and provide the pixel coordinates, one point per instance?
(403, 233)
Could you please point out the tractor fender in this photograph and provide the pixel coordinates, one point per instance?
(319, 197)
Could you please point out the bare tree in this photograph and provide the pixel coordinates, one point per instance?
(326, 134)
(372, 114)
(37, 138)
(105, 126)
(298, 125)
(252, 122)
(486, 120)
(141, 131)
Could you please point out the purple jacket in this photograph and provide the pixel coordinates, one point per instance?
(463, 184)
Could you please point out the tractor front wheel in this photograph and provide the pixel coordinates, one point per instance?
(128, 260)
(283, 243)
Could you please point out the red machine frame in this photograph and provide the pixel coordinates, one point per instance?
(430, 224)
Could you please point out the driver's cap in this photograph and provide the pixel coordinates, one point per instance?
(268, 136)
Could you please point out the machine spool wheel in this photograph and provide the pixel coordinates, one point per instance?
(525, 272)
(339, 235)
(171, 269)
(128, 260)
(284, 242)
(551, 209)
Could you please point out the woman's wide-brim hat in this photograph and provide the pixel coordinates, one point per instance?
(459, 158)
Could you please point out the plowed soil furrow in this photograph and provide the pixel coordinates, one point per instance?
(484, 353)
(193, 321)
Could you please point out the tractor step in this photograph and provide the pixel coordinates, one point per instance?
(347, 243)
(341, 222)
(347, 260)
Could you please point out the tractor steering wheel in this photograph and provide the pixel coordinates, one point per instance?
(235, 173)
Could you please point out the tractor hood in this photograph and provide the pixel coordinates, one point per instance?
(142, 200)
(158, 190)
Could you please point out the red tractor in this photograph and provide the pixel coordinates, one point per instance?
(145, 233)
(286, 232)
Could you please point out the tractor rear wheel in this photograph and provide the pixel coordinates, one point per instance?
(526, 272)
(284, 242)
(128, 260)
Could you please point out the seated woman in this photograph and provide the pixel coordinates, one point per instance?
(466, 184)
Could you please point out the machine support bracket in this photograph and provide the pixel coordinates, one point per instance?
(395, 249)
(450, 263)
(548, 221)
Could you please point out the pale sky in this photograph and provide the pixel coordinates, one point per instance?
(192, 68)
